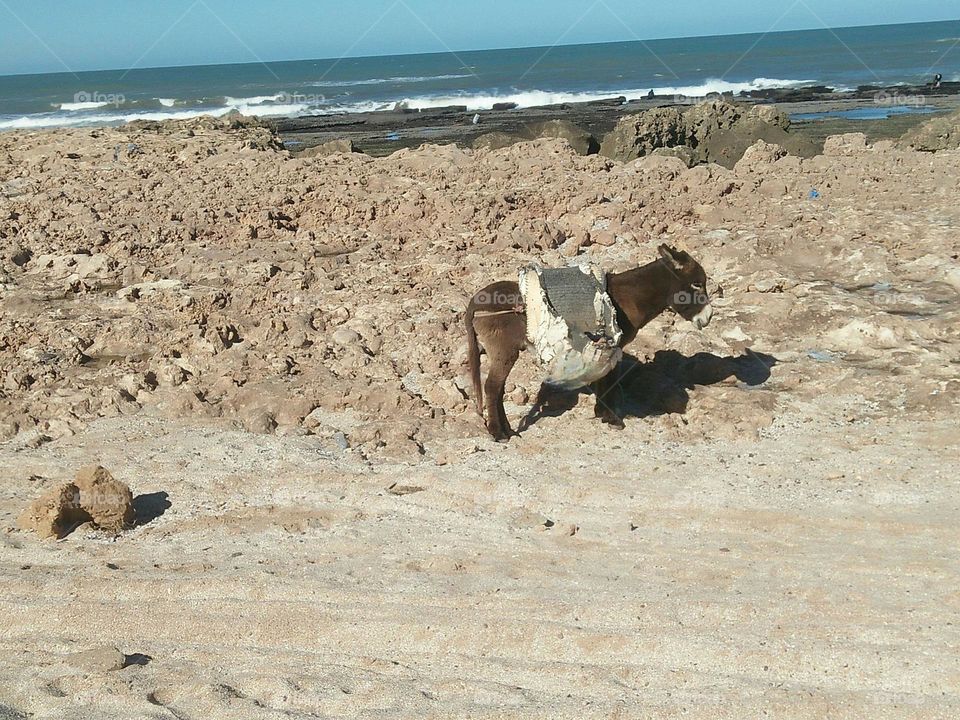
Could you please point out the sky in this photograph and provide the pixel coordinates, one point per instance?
(76, 35)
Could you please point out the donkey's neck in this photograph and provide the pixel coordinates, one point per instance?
(640, 295)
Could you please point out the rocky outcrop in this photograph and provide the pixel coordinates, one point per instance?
(704, 120)
(725, 147)
(686, 154)
(713, 131)
(639, 135)
(941, 133)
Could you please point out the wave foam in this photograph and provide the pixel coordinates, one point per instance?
(255, 100)
(385, 81)
(532, 98)
(35, 122)
(80, 106)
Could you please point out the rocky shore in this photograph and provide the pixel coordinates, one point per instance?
(262, 352)
(381, 133)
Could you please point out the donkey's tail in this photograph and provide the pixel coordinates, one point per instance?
(473, 359)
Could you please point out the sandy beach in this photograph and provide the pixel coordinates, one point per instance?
(268, 349)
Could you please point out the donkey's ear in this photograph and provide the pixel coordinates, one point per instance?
(671, 257)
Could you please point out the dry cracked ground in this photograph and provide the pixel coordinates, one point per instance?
(269, 351)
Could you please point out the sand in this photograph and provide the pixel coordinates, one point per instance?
(267, 350)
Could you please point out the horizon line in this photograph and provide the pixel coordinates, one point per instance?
(472, 50)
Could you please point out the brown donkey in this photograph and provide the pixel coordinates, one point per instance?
(496, 320)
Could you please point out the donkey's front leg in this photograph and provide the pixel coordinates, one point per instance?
(606, 390)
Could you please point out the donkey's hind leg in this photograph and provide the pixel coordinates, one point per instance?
(502, 360)
(504, 338)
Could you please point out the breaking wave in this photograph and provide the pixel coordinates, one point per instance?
(290, 105)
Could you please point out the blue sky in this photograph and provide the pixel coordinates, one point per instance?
(57, 35)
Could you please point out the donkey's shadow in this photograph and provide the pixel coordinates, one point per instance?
(659, 387)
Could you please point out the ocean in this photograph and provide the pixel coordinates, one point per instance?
(843, 59)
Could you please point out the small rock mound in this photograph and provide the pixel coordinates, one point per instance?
(94, 497)
(941, 133)
(579, 139)
(495, 141)
(333, 147)
(845, 145)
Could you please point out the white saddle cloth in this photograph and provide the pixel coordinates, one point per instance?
(571, 323)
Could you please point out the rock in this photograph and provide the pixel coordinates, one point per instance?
(845, 145)
(345, 336)
(637, 135)
(707, 118)
(687, 155)
(55, 513)
(579, 139)
(108, 502)
(759, 154)
(772, 188)
(99, 660)
(505, 106)
(495, 141)
(94, 497)
(941, 133)
(20, 256)
(770, 114)
(259, 422)
(727, 146)
(332, 147)
(145, 290)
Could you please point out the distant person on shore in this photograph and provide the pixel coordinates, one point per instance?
(651, 95)
(937, 79)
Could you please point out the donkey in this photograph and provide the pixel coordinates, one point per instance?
(496, 320)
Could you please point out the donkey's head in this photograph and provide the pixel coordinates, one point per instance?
(689, 296)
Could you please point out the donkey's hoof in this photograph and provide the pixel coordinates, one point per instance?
(500, 435)
(612, 420)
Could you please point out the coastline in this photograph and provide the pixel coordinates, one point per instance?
(269, 351)
(381, 133)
